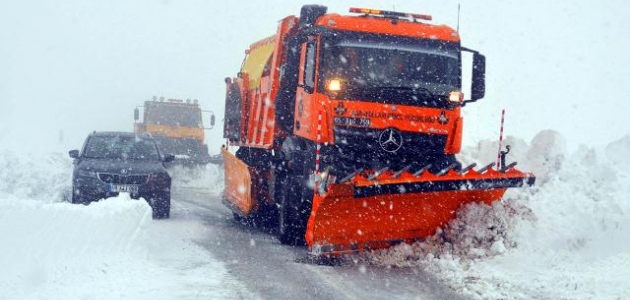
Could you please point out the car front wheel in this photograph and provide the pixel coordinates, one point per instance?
(162, 206)
(76, 198)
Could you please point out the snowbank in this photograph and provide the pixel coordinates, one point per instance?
(44, 177)
(617, 152)
(109, 249)
(566, 238)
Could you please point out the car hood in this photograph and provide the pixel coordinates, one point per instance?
(121, 166)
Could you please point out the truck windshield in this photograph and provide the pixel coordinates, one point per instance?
(389, 68)
(120, 147)
(173, 115)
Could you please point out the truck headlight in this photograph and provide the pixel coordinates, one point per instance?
(456, 96)
(334, 85)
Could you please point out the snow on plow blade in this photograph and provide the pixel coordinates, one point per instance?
(378, 211)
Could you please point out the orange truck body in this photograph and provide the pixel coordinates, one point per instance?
(346, 162)
(177, 127)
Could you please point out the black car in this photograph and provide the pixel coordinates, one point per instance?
(115, 162)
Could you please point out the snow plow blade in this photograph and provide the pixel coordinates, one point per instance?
(238, 192)
(371, 210)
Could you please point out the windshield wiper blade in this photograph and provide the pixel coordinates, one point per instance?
(415, 90)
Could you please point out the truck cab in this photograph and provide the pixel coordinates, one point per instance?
(347, 128)
(178, 128)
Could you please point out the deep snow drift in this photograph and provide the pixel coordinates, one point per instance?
(111, 249)
(565, 238)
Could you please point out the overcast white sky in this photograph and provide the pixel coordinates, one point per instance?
(75, 66)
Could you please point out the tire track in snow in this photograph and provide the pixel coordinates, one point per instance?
(271, 270)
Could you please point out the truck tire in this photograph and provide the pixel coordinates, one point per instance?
(238, 219)
(296, 198)
(162, 206)
(288, 218)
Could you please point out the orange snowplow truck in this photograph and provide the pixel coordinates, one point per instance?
(347, 129)
(177, 126)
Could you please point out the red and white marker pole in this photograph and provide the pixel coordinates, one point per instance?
(499, 166)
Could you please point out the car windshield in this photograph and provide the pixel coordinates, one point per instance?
(174, 115)
(120, 147)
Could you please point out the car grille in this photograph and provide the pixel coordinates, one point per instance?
(123, 179)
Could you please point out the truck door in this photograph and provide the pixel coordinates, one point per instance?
(305, 107)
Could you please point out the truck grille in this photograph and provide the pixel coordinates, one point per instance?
(359, 148)
(123, 179)
(366, 140)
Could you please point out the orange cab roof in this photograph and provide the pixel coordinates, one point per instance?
(382, 25)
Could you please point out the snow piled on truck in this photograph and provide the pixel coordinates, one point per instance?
(111, 249)
(565, 238)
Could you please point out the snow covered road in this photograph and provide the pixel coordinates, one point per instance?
(274, 271)
(113, 249)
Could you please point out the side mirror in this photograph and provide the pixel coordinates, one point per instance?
(136, 114)
(168, 158)
(212, 119)
(478, 86)
(73, 153)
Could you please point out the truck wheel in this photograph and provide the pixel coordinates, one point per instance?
(296, 200)
(162, 206)
(238, 218)
(289, 230)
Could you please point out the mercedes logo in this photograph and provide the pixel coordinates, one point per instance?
(442, 119)
(340, 109)
(390, 140)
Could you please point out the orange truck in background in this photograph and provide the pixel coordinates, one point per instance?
(346, 128)
(177, 127)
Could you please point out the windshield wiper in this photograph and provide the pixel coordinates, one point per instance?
(415, 90)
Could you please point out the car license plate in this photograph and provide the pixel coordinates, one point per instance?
(123, 188)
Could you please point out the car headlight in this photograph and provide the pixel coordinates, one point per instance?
(87, 173)
(159, 178)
